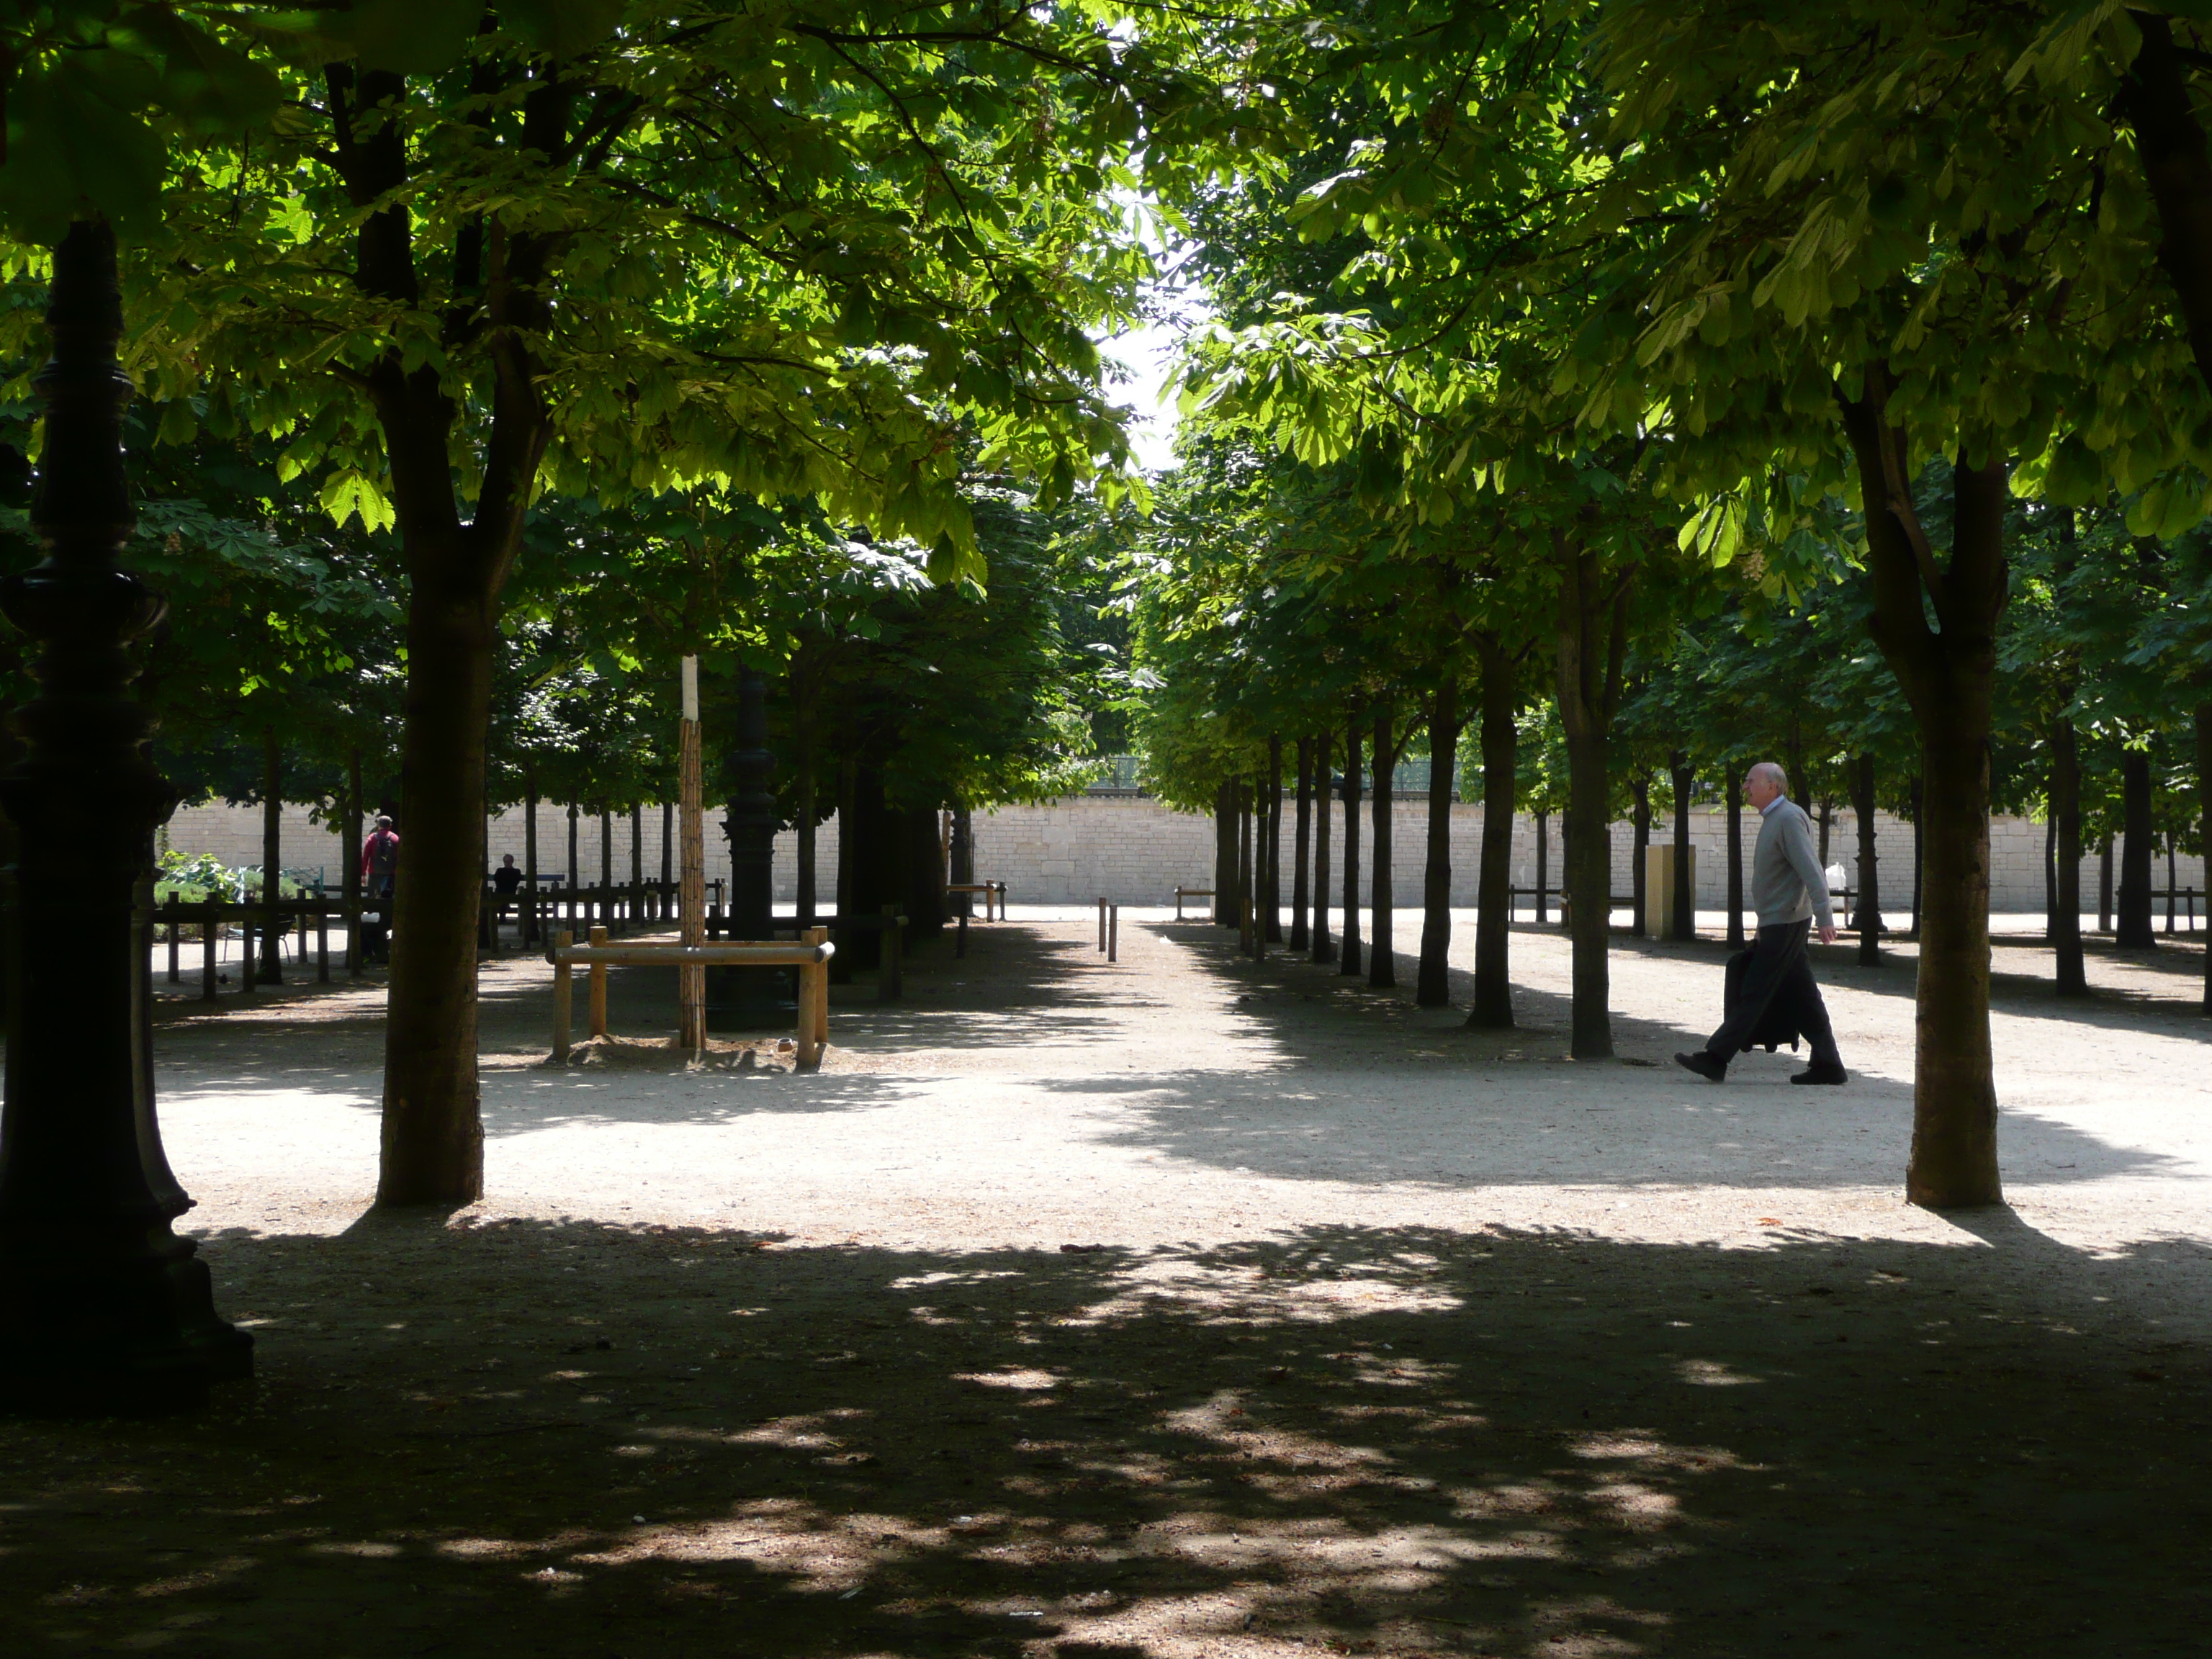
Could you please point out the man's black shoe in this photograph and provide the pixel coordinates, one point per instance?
(1819, 1073)
(1705, 1064)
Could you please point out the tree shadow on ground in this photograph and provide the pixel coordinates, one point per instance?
(571, 1438)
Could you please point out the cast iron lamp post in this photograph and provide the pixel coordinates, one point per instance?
(102, 1306)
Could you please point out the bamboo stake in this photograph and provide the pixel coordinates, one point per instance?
(562, 989)
(691, 900)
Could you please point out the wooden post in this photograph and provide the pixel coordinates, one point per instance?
(813, 986)
(691, 899)
(889, 976)
(210, 947)
(1113, 933)
(599, 937)
(562, 989)
(322, 945)
(821, 936)
(172, 935)
(1102, 922)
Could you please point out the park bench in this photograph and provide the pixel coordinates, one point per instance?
(811, 956)
(1182, 893)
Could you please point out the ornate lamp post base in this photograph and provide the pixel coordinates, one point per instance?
(102, 1307)
(130, 1328)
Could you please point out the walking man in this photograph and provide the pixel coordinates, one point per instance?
(1789, 889)
(380, 874)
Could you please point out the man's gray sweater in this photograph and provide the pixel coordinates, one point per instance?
(1787, 882)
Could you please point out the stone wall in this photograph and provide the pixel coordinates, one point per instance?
(1133, 850)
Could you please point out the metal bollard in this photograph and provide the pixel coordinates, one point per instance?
(1113, 933)
(1102, 923)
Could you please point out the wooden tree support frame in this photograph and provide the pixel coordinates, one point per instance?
(810, 956)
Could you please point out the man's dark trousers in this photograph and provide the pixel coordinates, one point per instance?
(1779, 967)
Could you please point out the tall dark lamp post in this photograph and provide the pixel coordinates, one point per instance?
(750, 996)
(102, 1306)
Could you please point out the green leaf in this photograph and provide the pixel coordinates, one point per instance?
(76, 147)
(407, 36)
(562, 29)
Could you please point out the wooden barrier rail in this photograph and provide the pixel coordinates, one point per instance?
(989, 890)
(255, 918)
(810, 956)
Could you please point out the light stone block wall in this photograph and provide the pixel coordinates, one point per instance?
(1133, 850)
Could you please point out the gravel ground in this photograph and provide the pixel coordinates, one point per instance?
(1176, 1306)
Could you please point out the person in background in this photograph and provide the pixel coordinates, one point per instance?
(505, 881)
(379, 877)
(1789, 889)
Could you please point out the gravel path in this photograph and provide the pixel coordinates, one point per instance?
(1181, 1306)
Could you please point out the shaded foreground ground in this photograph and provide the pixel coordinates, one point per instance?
(1291, 1391)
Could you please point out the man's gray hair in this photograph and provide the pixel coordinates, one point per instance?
(1771, 772)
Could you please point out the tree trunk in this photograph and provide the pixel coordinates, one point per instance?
(529, 929)
(806, 829)
(2104, 884)
(576, 872)
(1543, 872)
(350, 850)
(1592, 646)
(2155, 100)
(1271, 927)
(1870, 916)
(1432, 985)
(1224, 855)
(1683, 923)
(433, 1132)
(2204, 820)
(1948, 671)
(2049, 877)
(2073, 980)
(1348, 961)
(1244, 793)
(1382, 954)
(1919, 855)
(607, 867)
(1302, 840)
(1735, 855)
(271, 969)
(1323, 950)
(636, 865)
(1493, 1008)
(1640, 787)
(2134, 932)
